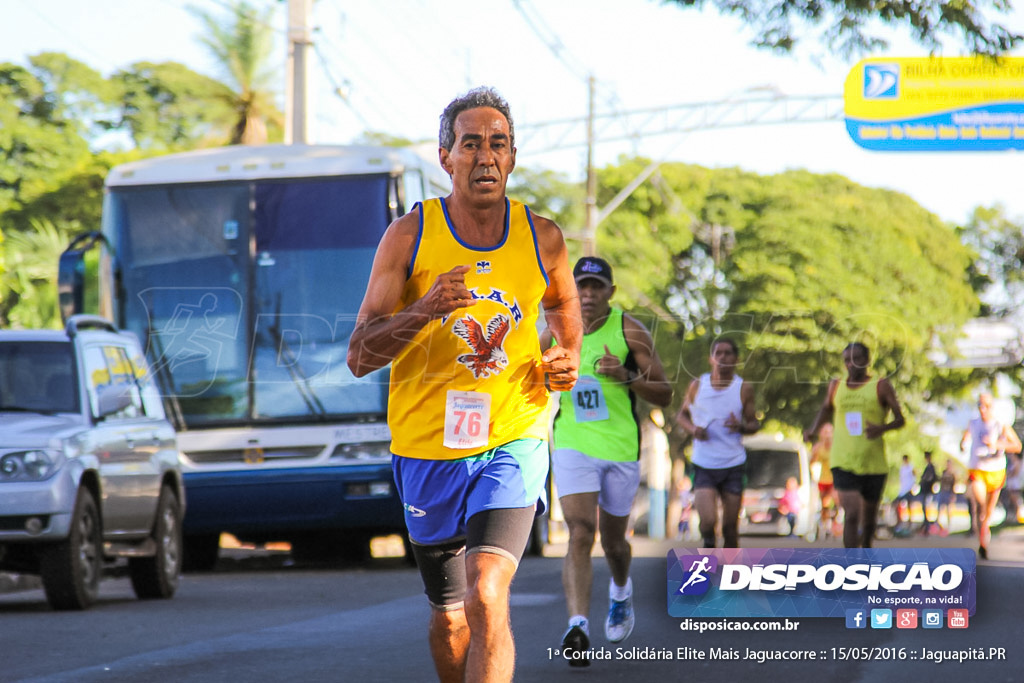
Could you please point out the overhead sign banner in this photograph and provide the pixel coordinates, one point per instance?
(936, 104)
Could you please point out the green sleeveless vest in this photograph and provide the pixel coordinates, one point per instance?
(597, 417)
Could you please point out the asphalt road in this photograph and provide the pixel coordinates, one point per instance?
(259, 618)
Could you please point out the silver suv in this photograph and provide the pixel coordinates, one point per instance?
(89, 468)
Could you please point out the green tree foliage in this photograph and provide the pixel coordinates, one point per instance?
(794, 267)
(168, 107)
(3, 270)
(28, 284)
(242, 45)
(850, 27)
(63, 126)
(998, 269)
(40, 146)
(387, 140)
(74, 94)
(549, 194)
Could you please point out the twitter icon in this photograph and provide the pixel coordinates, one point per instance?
(881, 618)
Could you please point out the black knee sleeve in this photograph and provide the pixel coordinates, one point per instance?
(443, 571)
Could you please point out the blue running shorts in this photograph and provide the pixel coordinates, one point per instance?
(439, 496)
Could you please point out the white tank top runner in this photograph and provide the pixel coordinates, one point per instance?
(710, 410)
(981, 458)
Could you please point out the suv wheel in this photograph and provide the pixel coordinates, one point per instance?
(157, 577)
(71, 568)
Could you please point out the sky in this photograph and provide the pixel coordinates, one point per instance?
(397, 63)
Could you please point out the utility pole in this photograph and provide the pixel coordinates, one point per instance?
(590, 226)
(297, 79)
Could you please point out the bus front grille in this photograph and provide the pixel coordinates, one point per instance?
(254, 456)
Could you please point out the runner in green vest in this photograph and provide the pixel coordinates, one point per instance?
(595, 459)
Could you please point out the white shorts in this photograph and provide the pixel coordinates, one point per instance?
(615, 482)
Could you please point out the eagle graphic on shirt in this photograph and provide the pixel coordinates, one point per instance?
(488, 357)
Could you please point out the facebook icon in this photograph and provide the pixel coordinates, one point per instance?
(856, 618)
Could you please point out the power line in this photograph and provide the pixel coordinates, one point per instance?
(372, 90)
(336, 88)
(551, 40)
(681, 118)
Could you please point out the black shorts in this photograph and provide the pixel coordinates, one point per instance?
(869, 486)
(724, 480)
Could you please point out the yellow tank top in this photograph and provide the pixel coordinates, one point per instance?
(851, 449)
(469, 382)
(821, 454)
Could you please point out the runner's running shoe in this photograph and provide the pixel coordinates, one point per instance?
(575, 644)
(619, 623)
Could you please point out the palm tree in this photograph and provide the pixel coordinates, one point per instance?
(243, 46)
(31, 256)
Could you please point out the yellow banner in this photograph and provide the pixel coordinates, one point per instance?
(936, 103)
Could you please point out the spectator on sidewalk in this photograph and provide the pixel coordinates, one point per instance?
(908, 478)
(790, 504)
(947, 496)
(929, 486)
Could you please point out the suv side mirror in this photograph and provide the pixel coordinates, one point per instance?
(112, 399)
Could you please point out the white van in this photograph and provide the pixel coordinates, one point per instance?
(771, 461)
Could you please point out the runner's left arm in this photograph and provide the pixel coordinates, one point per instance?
(560, 363)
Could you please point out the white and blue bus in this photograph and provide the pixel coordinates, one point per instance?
(242, 269)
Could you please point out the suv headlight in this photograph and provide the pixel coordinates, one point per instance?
(28, 465)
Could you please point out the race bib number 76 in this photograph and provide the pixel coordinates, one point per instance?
(467, 419)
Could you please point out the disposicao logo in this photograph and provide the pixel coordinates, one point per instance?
(697, 577)
(831, 582)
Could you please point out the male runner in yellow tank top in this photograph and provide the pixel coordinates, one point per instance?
(859, 405)
(595, 457)
(452, 303)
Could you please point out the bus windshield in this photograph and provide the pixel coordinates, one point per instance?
(246, 293)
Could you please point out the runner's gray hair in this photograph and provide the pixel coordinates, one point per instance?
(483, 96)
